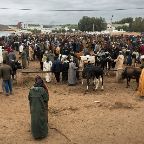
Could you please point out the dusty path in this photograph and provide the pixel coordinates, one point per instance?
(112, 116)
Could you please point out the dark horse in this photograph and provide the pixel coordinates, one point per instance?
(131, 73)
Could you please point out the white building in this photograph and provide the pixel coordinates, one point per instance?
(112, 27)
(27, 26)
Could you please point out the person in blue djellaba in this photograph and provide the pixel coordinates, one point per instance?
(57, 68)
(38, 100)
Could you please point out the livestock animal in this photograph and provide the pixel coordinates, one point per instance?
(95, 73)
(62, 57)
(131, 73)
(87, 58)
(84, 61)
(135, 58)
(104, 60)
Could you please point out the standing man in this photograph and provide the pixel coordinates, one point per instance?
(5, 74)
(24, 58)
(56, 68)
(72, 73)
(12, 60)
(119, 66)
(5, 56)
(65, 67)
(47, 65)
(11, 57)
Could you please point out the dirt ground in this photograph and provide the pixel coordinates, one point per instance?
(112, 116)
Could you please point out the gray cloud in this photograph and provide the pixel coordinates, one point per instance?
(38, 11)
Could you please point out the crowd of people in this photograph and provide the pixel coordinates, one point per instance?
(60, 53)
(48, 49)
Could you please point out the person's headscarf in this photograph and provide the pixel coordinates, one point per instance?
(40, 83)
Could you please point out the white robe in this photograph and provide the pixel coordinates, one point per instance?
(72, 73)
(1, 55)
(47, 67)
(21, 48)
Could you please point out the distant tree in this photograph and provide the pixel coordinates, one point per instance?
(91, 23)
(63, 30)
(70, 26)
(55, 31)
(125, 28)
(47, 26)
(138, 25)
(125, 20)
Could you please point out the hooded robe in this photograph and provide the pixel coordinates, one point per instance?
(38, 100)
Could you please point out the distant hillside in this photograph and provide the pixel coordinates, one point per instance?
(3, 27)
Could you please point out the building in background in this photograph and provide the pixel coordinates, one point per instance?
(27, 26)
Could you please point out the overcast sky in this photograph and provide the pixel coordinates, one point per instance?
(40, 13)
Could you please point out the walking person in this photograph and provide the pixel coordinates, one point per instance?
(5, 74)
(38, 101)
